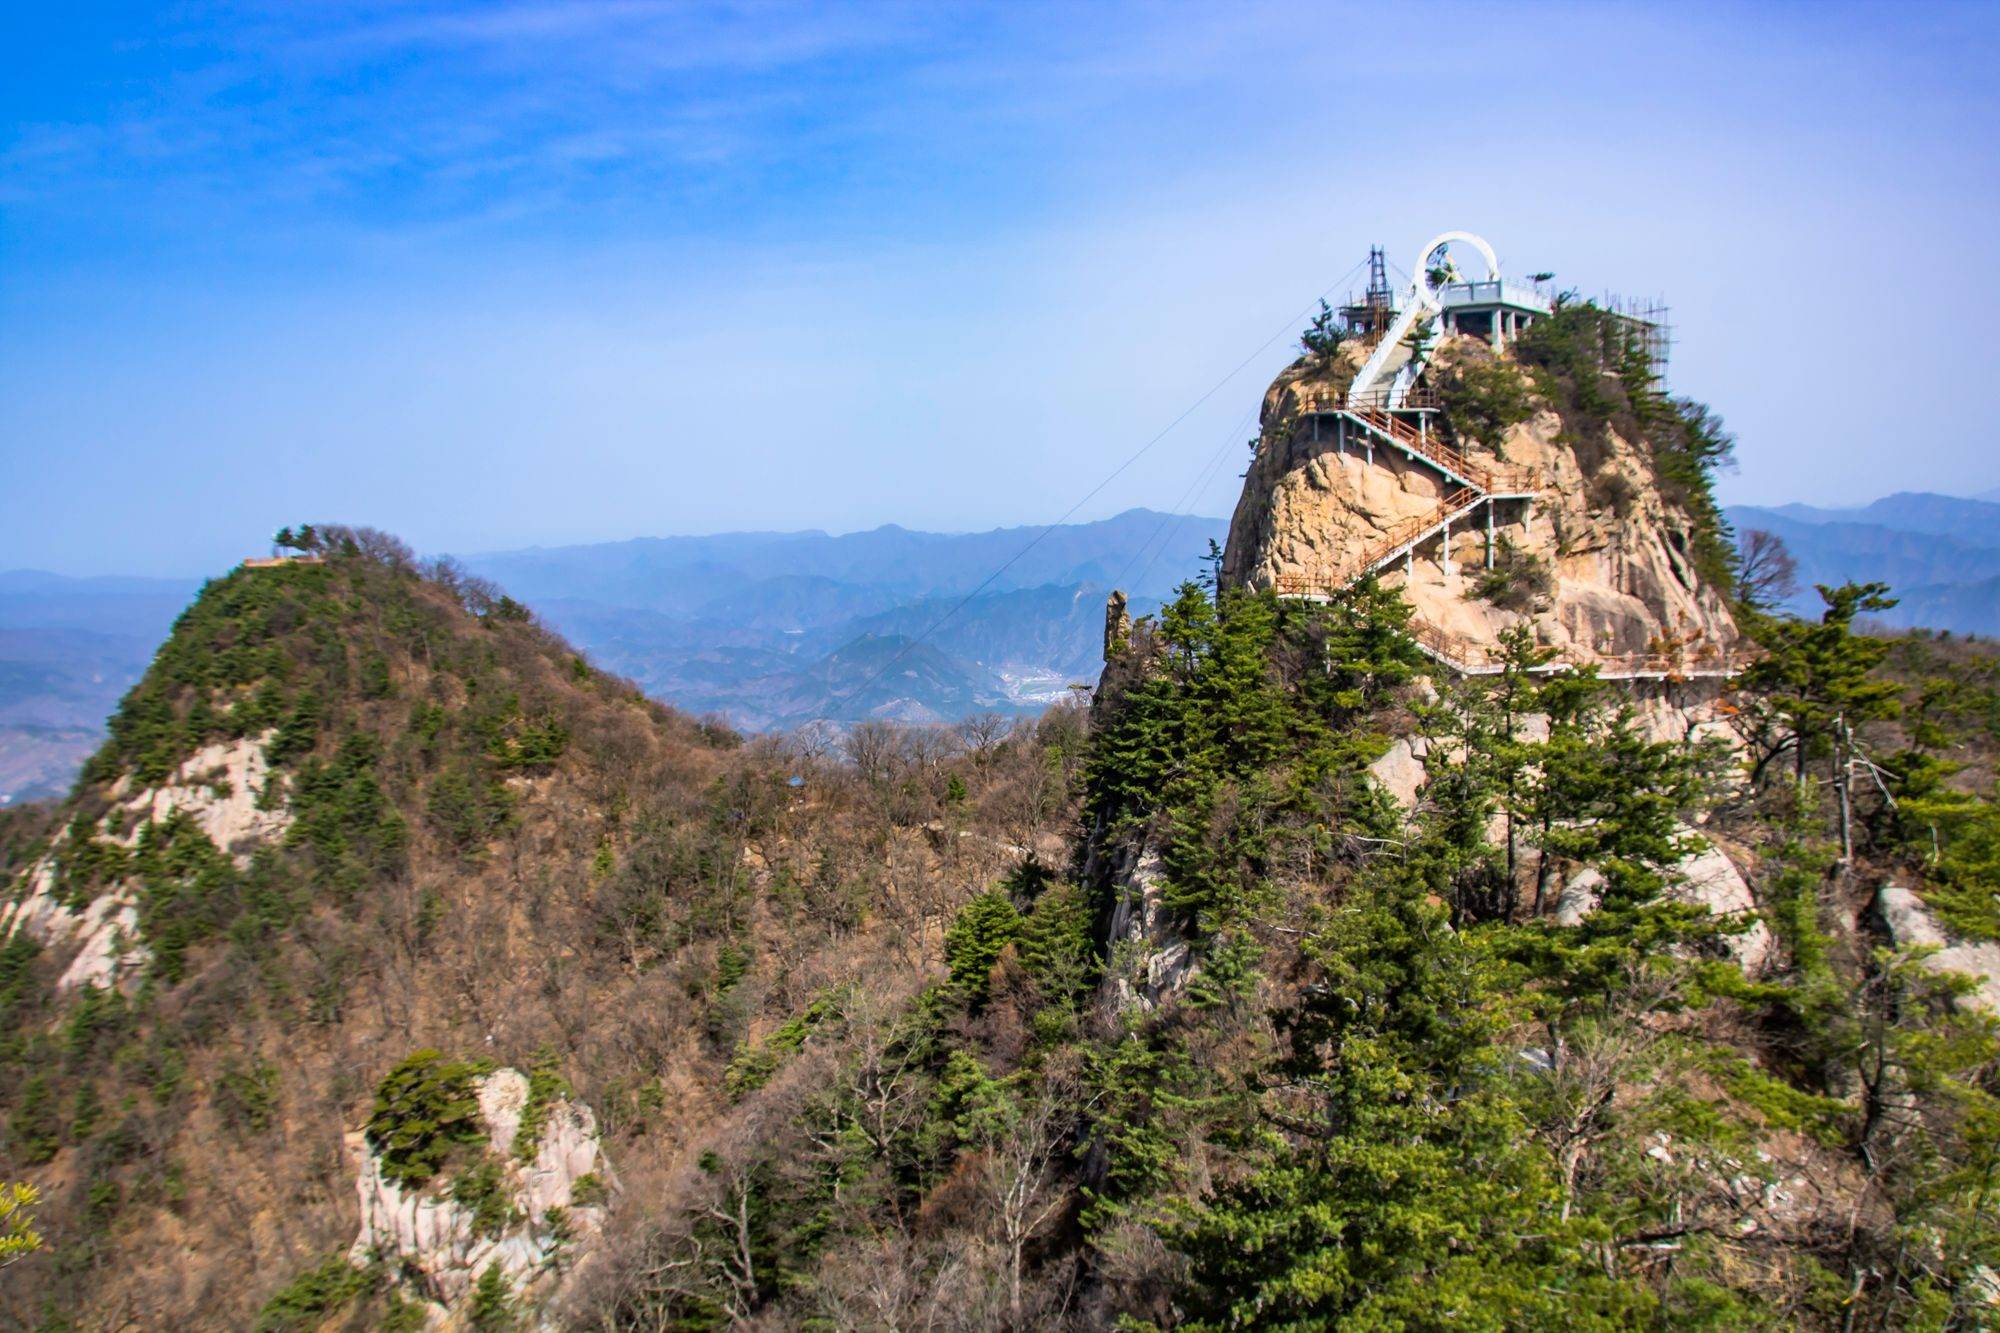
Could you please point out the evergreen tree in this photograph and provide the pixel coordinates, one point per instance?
(1816, 688)
(492, 1307)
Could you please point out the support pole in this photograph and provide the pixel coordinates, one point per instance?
(1444, 552)
(1489, 534)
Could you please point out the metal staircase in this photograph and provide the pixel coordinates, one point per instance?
(1474, 483)
(1376, 410)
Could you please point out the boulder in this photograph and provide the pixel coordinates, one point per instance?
(1710, 879)
(1910, 924)
(1400, 770)
(1707, 878)
(433, 1242)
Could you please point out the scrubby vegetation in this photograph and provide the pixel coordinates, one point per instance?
(1590, 365)
(493, 848)
(1161, 1014)
(1517, 580)
(1481, 398)
(426, 1111)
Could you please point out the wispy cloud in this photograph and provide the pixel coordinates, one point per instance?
(539, 249)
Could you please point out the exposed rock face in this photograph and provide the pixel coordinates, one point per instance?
(1708, 879)
(426, 1233)
(1624, 584)
(1579, 898)
(1712, 880)
(220, 787)
(1160, 960)
(104, 932)
(1400, 770)
(1117, 625)
(1911, 925)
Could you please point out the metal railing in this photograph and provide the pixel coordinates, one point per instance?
(1492, 292)
(1410, 532)
(1696, 662)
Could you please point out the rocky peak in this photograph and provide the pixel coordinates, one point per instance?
(1579, 535)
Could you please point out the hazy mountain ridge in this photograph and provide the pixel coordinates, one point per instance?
(682, 575)
(767, 630)
(69, 649)
(764, 630)
(1940, 555)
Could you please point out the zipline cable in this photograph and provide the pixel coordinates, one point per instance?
(1088, 496)
(1182, 507)
(1202, 483)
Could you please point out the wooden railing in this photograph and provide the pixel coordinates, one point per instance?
(1321, 398)
(1420, 443)
(1492, 478)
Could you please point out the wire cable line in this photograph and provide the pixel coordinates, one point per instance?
(1284, 330)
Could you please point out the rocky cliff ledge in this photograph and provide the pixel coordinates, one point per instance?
(1599, 560)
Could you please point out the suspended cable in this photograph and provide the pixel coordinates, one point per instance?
(1206, 480)
(1283, 330)
(1182, 507)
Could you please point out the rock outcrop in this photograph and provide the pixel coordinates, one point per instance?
(1623, 580)
(1910, 924)
(104, 932)
(1151, 957)
(553, 1203)
(1707, 878)
(221, 788)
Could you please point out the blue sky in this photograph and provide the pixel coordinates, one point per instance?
(516, 273)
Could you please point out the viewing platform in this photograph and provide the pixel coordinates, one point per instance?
(1495, 309)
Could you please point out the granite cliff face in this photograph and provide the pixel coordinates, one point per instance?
(220, 790)
(1605, 569)
(553, 1193)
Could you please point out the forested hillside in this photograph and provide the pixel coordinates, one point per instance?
(356, 811)
(856, 1053)
(393, 964)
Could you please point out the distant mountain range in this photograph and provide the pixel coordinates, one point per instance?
(764, 630)
(770, 630)
(1940, 554)
(69, 649)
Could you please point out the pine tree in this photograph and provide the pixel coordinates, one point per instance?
(492, 1307)
(1816, 688)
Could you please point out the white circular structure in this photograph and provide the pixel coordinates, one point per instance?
(1420, 284)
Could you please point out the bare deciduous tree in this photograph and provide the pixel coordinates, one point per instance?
(1766, 573)
(982, 732)
(1022, 1187)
